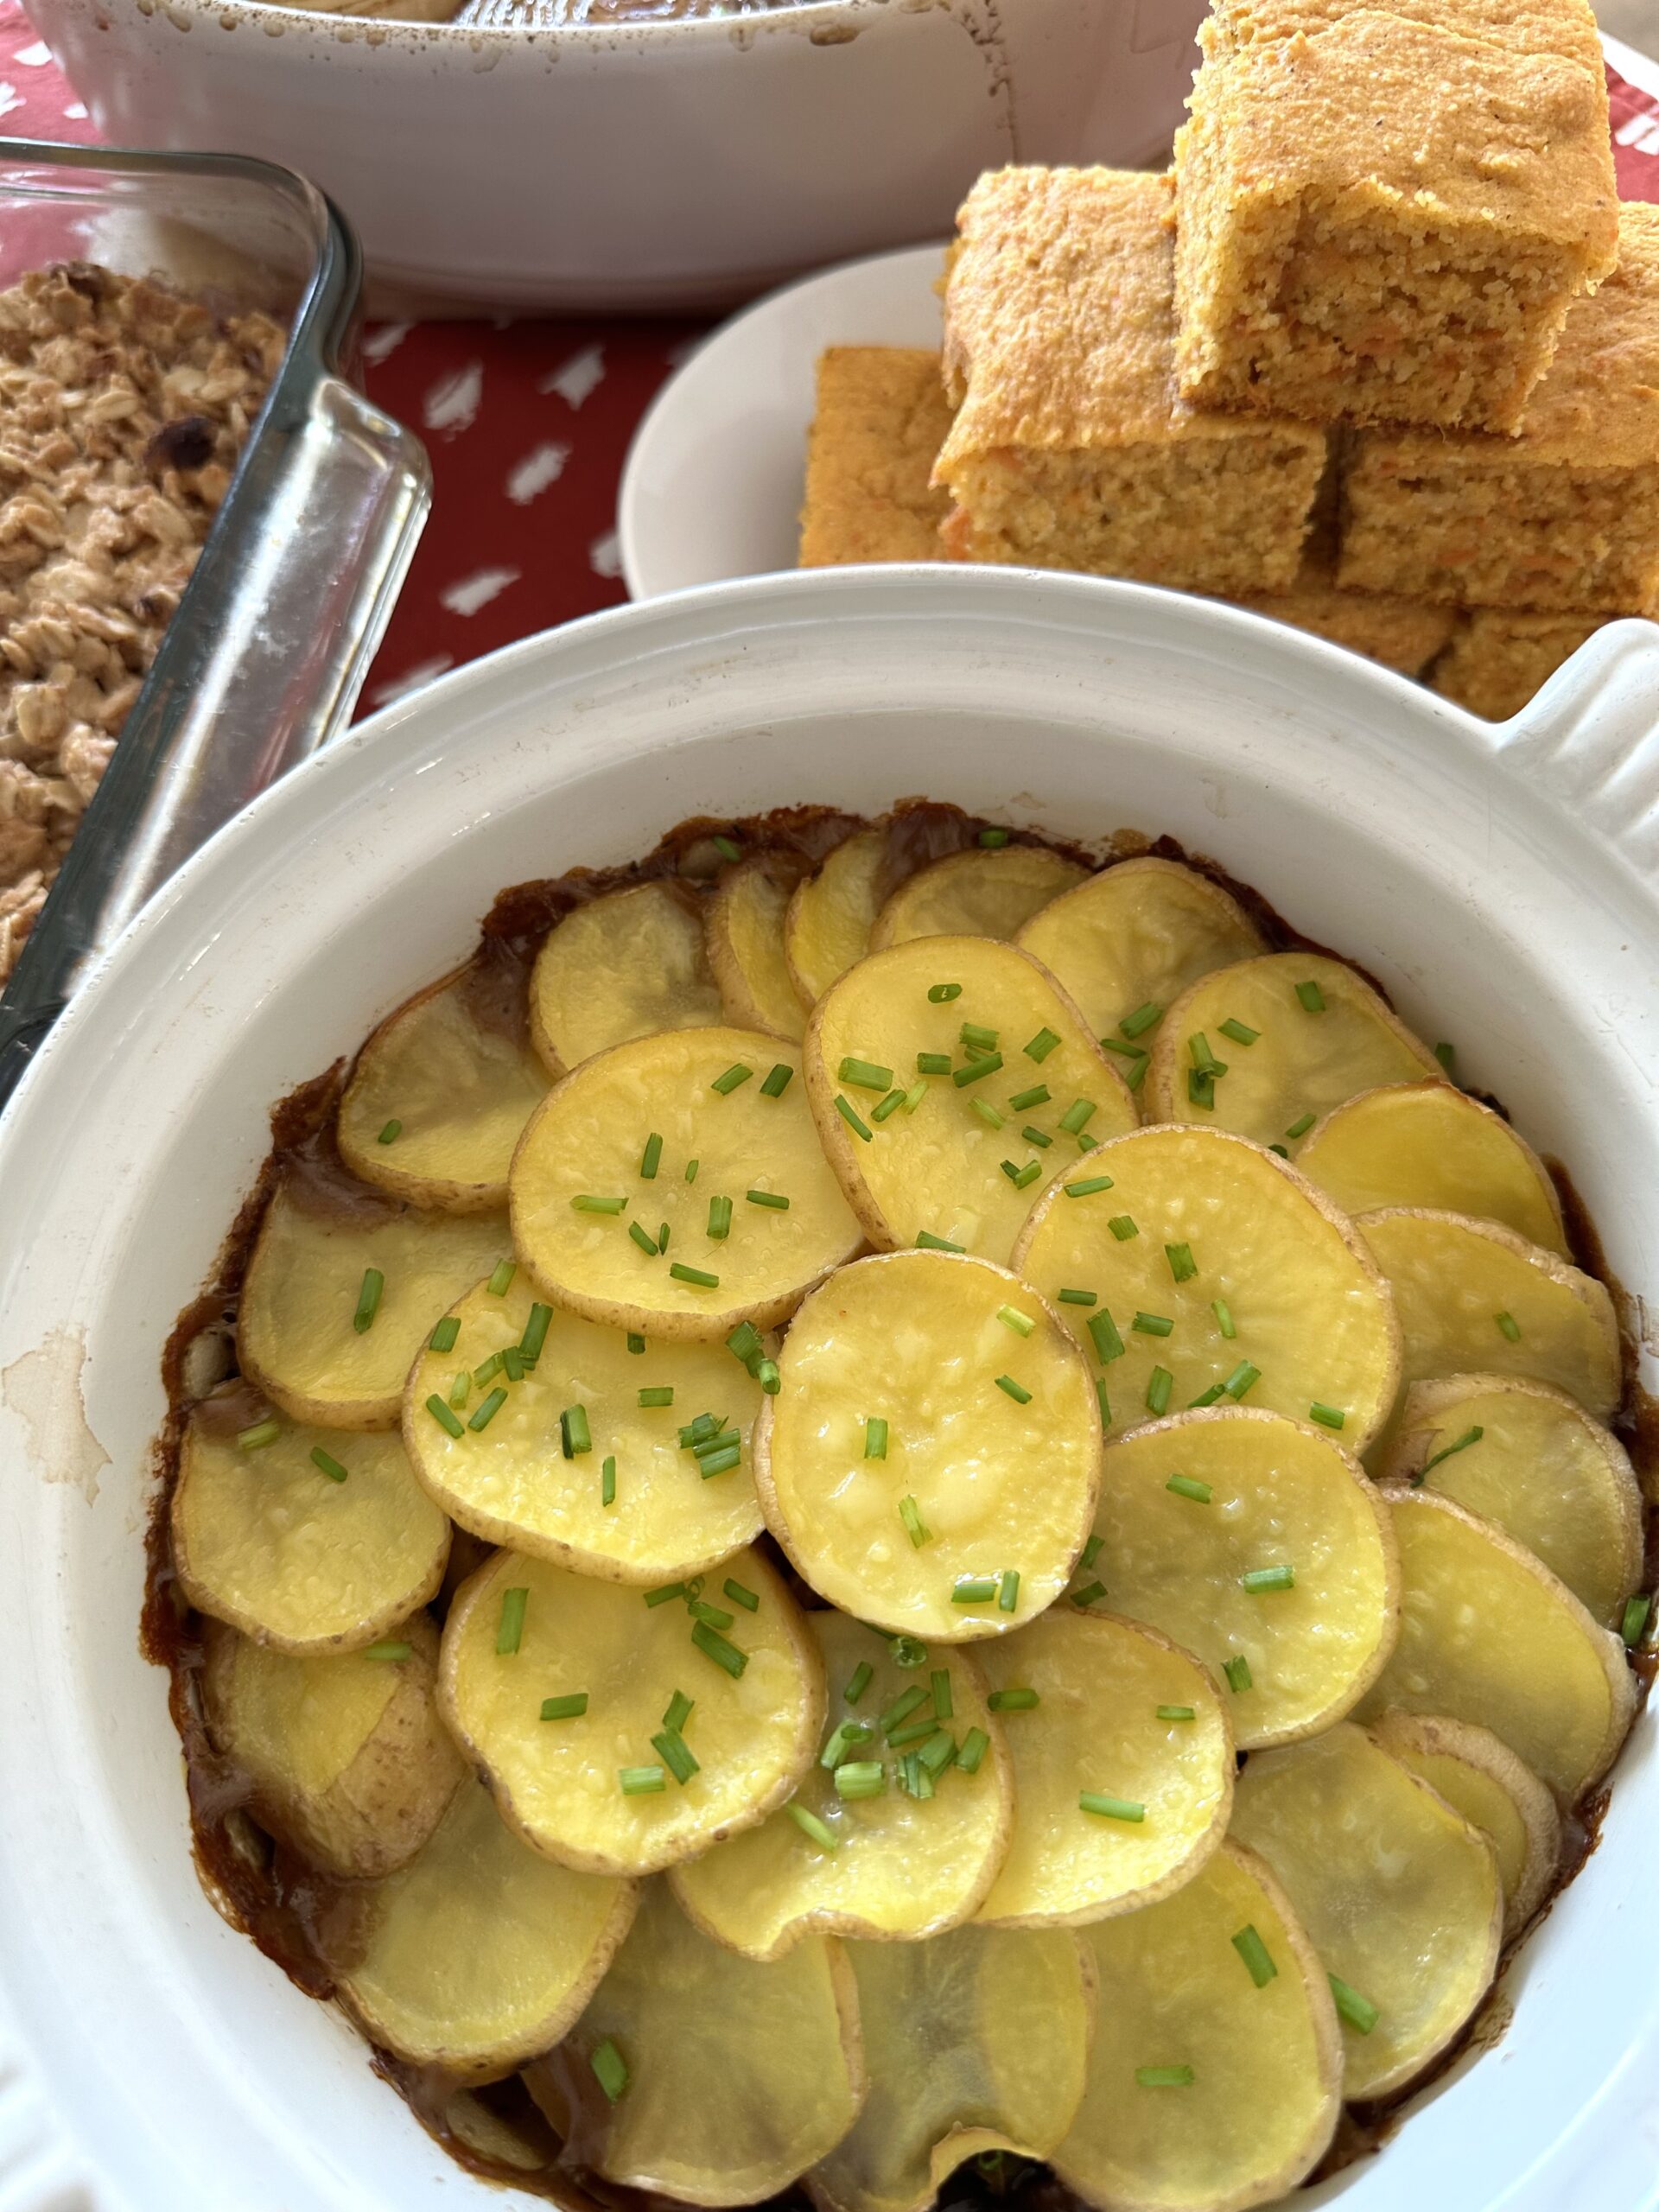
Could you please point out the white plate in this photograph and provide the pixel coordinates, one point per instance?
(712, 487)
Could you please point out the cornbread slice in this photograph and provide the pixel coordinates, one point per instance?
(882, 418)
(1497, 661)
(1071, 447)
(1385, 218)
(1564, 517)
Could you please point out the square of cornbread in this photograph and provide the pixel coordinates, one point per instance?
(1404, 634)
(1384, 218)
(881, 417)
(1072, 448)
(1497, 661)
(1566, 516)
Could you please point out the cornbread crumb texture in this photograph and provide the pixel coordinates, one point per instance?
(882, 418)
(1496, 662)
(1404, 634)
(1071, 447)
(1566, 516)
(1384, 218)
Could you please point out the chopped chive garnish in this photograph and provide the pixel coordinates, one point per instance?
(906, 1651)
(842, 1738)
(1136, 1056)
(443, 1416)
(1259, 1579)
(636, 1343)
(1032, 1135)
(864, 1075)
(1201, 1088)
(500, 1281)
(1008, 1593)
(1087, 1189)
(933, 1063)
(646, 1243)
(1104, 1402)
(1103, 1332)
(691, 1167)
(1189, 1486)
(1207, 1397)
(1510, 1326)
(973, 1590)
(1012, 1700)
(740, 1596)
(1011, 1317)
(698, 1277)
(938, 1752)
(368, 1299)
(974, 1745)
(393, 1651)
(574, 1436)
(651, 1158)
(1023, 1101)
(510, 1628)
(1470, 1436)
(460, 1389)
(260, 1434)
(1153, 1324)
(861, 1778)
(1144, 1018)
(1237, 1671)
(391, 1134)
(727, 848)
(676, 1755)
(662, 1237)
(1078, 1114)
(1258, 1959)
(641, 1781)
(1197, 1045)
(1109, 1807)
(1092, 1550)
(850, 1114)
(888, 1106)
(993, 840)
(1089, 1594)
(1326, 1416)
(915, 1527)
(1079, 1298)
(487, 1410)
(609, 2070)
(719, 1463)
(659, 1394)
(1182, 1265)
(914, 1096)
(901, 1708)
(738, 1073)
(1041, 1045)
(565, 1708)
(778, 1081)
(487, 1370)
(1122, 1226)
(1165, 2077)
(1358, 2012)
(713, 1645)
(442, 1339)
(1017, 1391)
(680, 1709)
(329, 1464)
(975, 1069)
(716, 1616)
(811, 1826)
(1223, 1313)
(663, 1592)
(1021, 1178)
(699, 1430)
(944, 1707)
(1243, 1377)
(745, 1342)
(987, 1113)
(608, 1483)
(768, 1374)
(1635, 1620)
(773, 1199)
(1299, 1127)
(987, 1039)
(1240, 1032)
(930, 1242)
(1176, 1712)
(875, 1438)
(1280, 1149)
(587, 1202)
(858, 1682)
(942, 993)
(1312, 997)
(535, 1329)
(1158, 1389)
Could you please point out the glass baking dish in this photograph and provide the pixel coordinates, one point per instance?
(266, 655)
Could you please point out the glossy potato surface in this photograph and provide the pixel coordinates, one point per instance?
(626, 964)
(831, 914)
(1481, 1778)
(978, 892)
(745, 929)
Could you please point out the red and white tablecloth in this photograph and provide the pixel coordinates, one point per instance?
(527, 422)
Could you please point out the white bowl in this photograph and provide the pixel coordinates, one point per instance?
(1504, 885)
(678, 164)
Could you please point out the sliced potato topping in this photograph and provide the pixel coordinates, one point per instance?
(897, 1864)
(919, 1391)
(1124, 1769)
(1319, 1034)
(598, 1456)
(976, 2041)
(1425, 1144)
(1488, 1635)
(734, 2077)
(978, 892)
(832, 913)
(479, 1953)
(625, 965)
(306, 1539)
(621, 1730)
(441, 1094)
(1471, 1296)
(1208, 2086)
(347, 1758)
(728, 1210)
(1398, 1895)
(1259, 1546)
(337, 1301)
(1202, 1272)
(745, 932)
(1481, 1778)
(924, 1144)
(1135, 936)
(1529, 1458)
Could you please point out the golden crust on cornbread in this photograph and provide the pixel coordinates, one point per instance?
(882, 418)
(1497, 661)
(1566, 28)
(1071, 447)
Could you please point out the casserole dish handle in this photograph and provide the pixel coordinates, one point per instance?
(329, 503)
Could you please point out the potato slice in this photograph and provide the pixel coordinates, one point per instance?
(1205, 2090)
(347, 1758)
(975, 2043)
(980, 893)
(958, 1165)
(1473, 1296)
(628, 964)
(319, 1266)
(441, 1091)
(512, 1482)
(479, 1953)
(1488, 1635)
(745, 932)
(832, 913)
(1425, 1144)
(1190, 1508)
(1136, 935)
(756, 1683)
(895, 1463)
(1481, 1778)
(1207, 1272)
(1529, 1458)
(1398, 1895)
(1103, 1728)
(1303, 1059)
(655, 1103)
(291, 1554)
(902, 1867)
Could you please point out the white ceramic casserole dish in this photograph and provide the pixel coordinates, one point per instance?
(1503, 883)
(653, 164)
